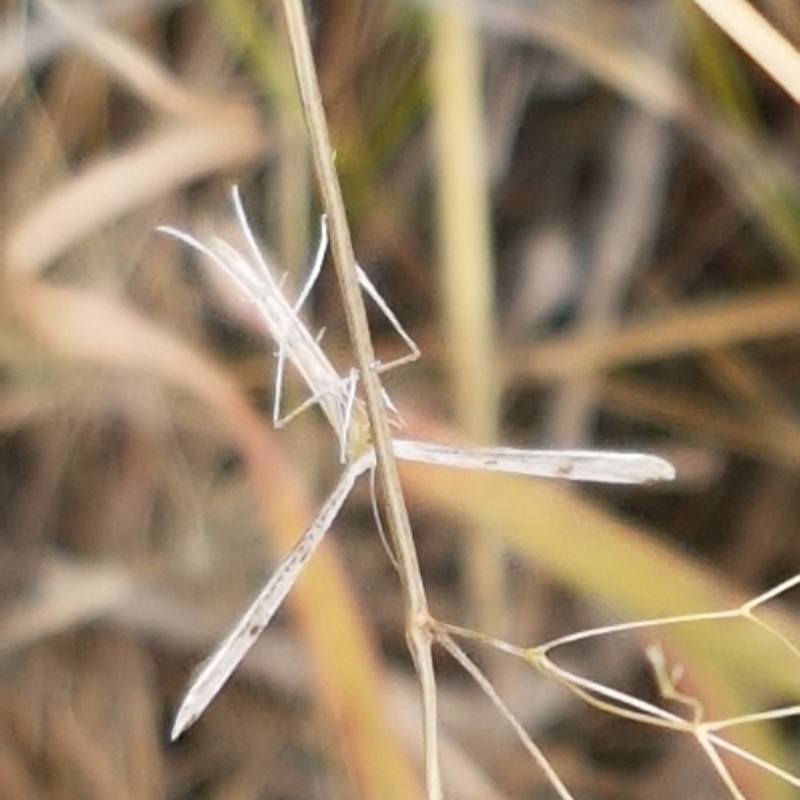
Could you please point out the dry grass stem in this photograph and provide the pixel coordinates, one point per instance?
(623, 704)
(467, 269)
(754, 34)
(417, 614)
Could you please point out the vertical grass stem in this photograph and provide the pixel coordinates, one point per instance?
(417, 616)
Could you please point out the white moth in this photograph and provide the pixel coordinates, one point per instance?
(337, 397)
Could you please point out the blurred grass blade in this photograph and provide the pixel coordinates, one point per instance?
(756, 36)
(109, 188)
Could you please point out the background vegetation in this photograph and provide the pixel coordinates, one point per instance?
(587, 215)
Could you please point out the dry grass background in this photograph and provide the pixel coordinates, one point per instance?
(637, 219)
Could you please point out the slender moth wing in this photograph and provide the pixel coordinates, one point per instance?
(253, 277)
(597, 466)
(212, 674)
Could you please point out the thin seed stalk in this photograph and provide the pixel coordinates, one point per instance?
(418, 631)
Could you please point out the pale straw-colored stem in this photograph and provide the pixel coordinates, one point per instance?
(418, 618)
